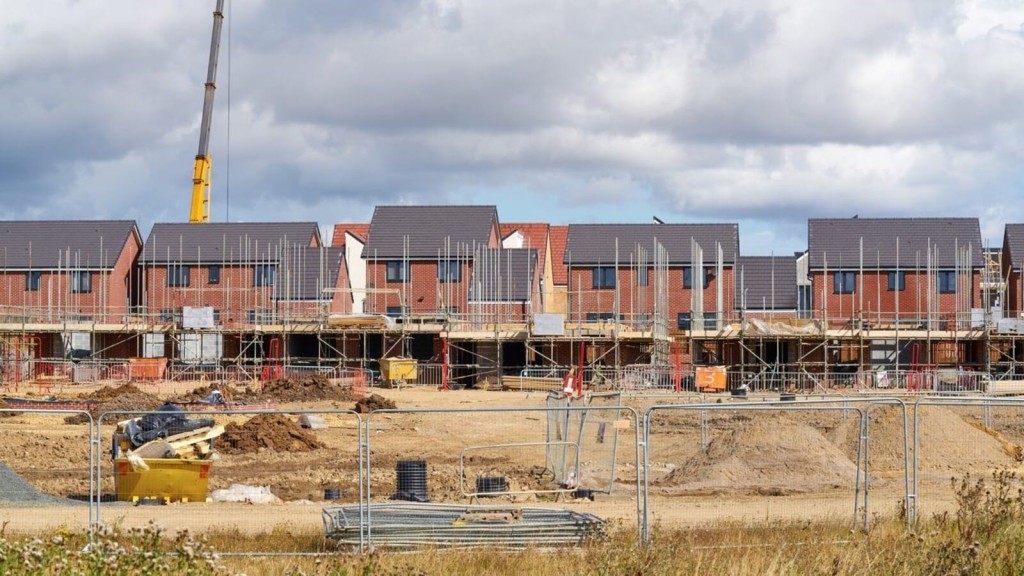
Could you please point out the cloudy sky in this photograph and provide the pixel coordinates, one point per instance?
(555, 110)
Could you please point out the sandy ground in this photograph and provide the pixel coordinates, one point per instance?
(745, 467)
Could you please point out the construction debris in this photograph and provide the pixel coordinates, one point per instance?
(245, 493)
(125, 398)
(313, 422)
(307, 390)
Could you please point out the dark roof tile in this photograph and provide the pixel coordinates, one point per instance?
(595, 243)
(424, 232)
(836, 242)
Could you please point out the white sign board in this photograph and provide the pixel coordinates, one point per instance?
(200, 348)
(197, 317)
(152, 345)
(548, 325)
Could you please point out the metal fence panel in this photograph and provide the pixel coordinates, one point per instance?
(269, 481)
(571, 462)
(47, 477)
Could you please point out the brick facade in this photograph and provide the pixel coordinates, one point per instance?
(880, 303)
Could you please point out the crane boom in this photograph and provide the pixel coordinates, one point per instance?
(200, 208)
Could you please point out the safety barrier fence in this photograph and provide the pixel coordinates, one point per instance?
(660, 459)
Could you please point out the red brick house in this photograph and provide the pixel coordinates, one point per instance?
(248, 273)
(419, 259)
(1012, 264)
(766, 287)
(352, 238)
(882, 271)
(614, 271)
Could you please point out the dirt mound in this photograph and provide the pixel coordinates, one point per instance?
(764, 453)
(271, 431)
(373, 402)
(110, 392)
(137, 401)
(306, 390)
(230, 393)
(5, 414)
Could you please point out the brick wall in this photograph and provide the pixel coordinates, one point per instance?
(879, 301)
(425, 295)
(584, 299)
(234, 296)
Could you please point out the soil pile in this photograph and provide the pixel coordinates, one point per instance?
(230, 393)
(373, 402)
(270, 431)
(766, 454)
(107, 393)
(5, 414)
(306, 390)
(132, 400)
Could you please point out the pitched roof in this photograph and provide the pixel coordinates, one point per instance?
(503, 275)
(559, 271)
(766, 282)
(424, 232)
(361, 231)
(595, 243)
(227, 241)
(837, 241)
(535, 234)
(304, 272)
(49, 244)
(1013, 238)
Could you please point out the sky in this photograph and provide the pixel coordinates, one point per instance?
(764, 113)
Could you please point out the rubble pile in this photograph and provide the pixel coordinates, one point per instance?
(108, 393)
(167, 433)
(306, 390)
(131, 400)
(267, 431)
(373, 402)
(230, 394)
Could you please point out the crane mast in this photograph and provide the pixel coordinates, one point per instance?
(200, 208)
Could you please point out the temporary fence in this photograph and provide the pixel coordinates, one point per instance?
(517, 476)
(263, 457)
(578, 456)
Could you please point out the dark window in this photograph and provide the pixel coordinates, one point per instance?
(398, 271)
(259, 316)
(641, 276)
(844, 282)
(264, 275)
(396, 311)
(32, 281)
(216, 316)
(897, 281)
(683, 319)
(599, 316)
(604, 277)
(213, 274)
(81, 282)
(711, 320)
(177, 275)
(449, 271)
(947, 282)
(688, 277)
(170, 314)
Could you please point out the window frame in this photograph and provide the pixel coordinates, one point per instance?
(445, 269)
(844, 282)
(896, 281)
(32, 280)
(178, 275)
(643, 276)
(397, 271)
(213, 274)
(688, 277)
(77, 284)
(948, 286)
(264, 275)
(603, 277)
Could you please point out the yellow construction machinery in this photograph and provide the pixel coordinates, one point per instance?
(200, 209)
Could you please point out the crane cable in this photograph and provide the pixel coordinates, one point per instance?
(227, 152)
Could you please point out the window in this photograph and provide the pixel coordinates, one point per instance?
(688, 277)
(32, 281)
(947, 282)
(213, 274)
(81, 282)
(604, 277)
(177, 275)
(711, 320)
(897, 281)
(449, 271)
(264, 274)
(396, 311)
(844, 282)
(600, 316)
(683, 319)
(641, 276)
(398, 271)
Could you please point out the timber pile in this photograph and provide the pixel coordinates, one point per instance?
(167, 434)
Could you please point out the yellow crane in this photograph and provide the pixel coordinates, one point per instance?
(200, 208)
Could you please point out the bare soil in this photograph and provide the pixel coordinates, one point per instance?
(275, 432)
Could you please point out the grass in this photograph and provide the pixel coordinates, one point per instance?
(984, 535)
